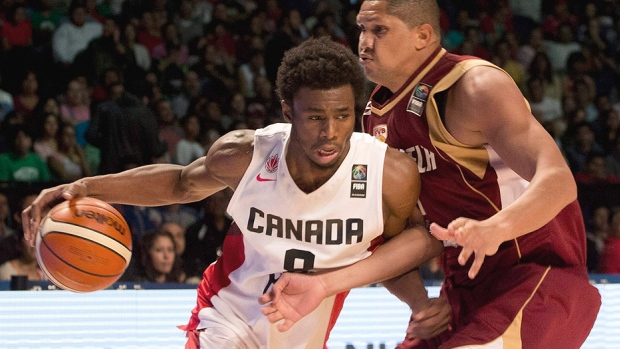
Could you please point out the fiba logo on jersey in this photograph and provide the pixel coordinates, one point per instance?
(358, 181)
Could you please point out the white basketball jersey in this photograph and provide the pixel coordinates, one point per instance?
(285, 229)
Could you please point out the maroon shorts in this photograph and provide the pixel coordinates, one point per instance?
(527, 306)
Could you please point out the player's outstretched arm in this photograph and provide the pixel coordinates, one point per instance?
(295, 295)
(485, 108)
(154, 185)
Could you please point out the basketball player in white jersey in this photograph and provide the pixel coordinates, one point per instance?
(310, 195)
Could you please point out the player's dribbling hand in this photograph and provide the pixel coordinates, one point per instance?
(291, 298)
(431, 320)
(474, 236)
(48, 198)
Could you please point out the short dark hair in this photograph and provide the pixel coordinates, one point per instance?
(416, 12)
(319, 64)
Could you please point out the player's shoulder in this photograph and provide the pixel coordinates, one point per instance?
(233, 143)
(483, 78)
(399, 166)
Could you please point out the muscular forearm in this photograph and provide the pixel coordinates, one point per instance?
(545, 197)
(409, 288)
(152, 185)
(401, 254)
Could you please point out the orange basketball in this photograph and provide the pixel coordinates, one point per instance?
(83, 245)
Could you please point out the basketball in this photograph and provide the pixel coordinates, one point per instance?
(83, 245)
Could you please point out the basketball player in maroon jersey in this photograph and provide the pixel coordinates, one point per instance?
(495, 188)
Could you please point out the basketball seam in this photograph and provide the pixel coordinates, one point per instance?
(92, 230)
(76, 268)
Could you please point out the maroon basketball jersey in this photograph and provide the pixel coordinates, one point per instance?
(460, 180)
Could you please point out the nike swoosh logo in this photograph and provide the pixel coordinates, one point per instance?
(261, 179)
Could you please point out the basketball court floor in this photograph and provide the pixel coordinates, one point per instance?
(128, 318)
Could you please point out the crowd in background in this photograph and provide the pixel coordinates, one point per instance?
(99, 86)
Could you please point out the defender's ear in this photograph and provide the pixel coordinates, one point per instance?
(424, 36)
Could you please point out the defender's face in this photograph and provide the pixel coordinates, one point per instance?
(322, 124)
(386, 46)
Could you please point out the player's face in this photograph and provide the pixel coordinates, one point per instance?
(386, 46)
(322, 124)
(162, 254)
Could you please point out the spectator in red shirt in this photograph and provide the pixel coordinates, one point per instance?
(17, 29)
(595, 171)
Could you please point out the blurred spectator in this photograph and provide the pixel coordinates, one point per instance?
(16, 34)
(540, 68)
(251, 36)
(456, 35)
(92, 11)
(76, 108)
(171, 72)
(20, 163)
(27, 100)
(45, 19)
(158, 260)
(178, 234)
(51, 105)
(265, 104)
(189, 148)
(472, 44)
(218, 34)
(169, 130)
(190, 89)
(6, 102)
(561, 15)
(69, 162)
(597, 233)
(104, 53)
(578, 70)
(560, 47)
(613, 159)
(247, 72)
(284, 38)
(171, 39)
(124, 130)
(189, 26)
(218, 73)
(595, 171)
(182, 215)
(150, 34)
(502, 57)
(610, 130)
(534, 45)
(204, 238)
(544, 108)
(585, 100)
(497, 22)
(25, 263)
(72, 37)
(610, 260)
(237, 110)
(530, 9)
(46, 138)
(110, 77)
(5, 217)
(581, 147)
(141, 54)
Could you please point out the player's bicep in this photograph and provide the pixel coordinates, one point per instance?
(497, 111)
(223, 166)
(401, 188)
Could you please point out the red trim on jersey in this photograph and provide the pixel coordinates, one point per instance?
(336, 309)
(215, 276)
